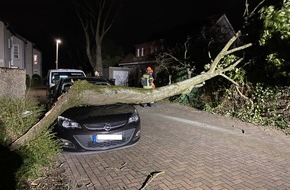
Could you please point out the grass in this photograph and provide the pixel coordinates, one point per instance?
(26, 163)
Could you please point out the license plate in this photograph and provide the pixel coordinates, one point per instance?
(105, 137)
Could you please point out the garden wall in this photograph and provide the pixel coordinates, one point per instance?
(12, 82)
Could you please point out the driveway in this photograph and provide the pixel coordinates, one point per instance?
(192, 150)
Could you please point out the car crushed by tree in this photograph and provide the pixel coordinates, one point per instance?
(89, 128)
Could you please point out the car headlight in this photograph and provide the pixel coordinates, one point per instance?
(67, 123)
(134, 117)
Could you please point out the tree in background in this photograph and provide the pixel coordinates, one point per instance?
(174, 64)
(269, 30)
(96, 17)
(275, 39)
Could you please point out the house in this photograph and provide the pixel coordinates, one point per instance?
(144, 54)
(143, 57)
(18, 52)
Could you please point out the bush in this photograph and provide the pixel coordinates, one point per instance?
(263, 105)
(16, 117)
(191, 99)
(36, 154)
(36, 80)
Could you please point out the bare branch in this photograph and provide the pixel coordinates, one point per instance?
(247, 15)
(238, 48)
(106, 27)
(87, 8)
(86, 29)
(243, 96)
(96, 19)
(186, 45)
(255, 9)
(174, 58)
(233, 65)
(223, 52)
(229, 79)
(208, 52)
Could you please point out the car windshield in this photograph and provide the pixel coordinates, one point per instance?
(59, 75)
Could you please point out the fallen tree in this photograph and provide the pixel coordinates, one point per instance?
(84, 93)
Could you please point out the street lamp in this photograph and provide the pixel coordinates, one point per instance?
(58, 41)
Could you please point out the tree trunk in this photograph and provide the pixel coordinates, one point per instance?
(99, 62)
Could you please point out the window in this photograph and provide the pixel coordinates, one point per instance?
(35, 59)
(142, 51)
(15, 51)
(138, 52)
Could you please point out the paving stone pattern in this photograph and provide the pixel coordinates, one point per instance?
(195, 149)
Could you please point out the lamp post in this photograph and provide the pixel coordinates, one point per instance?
(58, 41)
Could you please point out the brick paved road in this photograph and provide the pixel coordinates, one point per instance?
(196, 150)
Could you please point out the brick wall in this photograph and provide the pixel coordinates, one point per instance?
(12, 82)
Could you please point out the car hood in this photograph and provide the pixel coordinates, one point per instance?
(99, 114)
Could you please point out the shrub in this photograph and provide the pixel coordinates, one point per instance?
(36, 154)
(36, 80)
(263, 105)
(191, 99)
(16, 117)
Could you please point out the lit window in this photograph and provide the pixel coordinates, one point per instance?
(15, 51)
(142, 52)
(35, 59)
(138, 52)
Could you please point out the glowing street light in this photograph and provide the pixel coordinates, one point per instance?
(58, 41)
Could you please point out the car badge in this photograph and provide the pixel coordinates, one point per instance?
(107, 127)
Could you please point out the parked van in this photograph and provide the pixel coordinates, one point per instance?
(54, 75)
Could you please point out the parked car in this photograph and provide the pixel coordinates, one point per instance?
(53, 75)
(88, 128)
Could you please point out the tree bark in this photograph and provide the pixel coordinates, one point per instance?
(99, 62)
(84, 93)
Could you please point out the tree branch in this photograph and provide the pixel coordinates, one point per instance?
(238, 48)
(229, 79)
(223, 52)
(233, 65)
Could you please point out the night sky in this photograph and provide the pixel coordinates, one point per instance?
(42, 21)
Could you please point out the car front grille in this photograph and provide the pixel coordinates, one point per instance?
(100, 126)
(86, 142)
